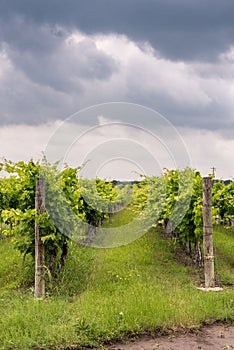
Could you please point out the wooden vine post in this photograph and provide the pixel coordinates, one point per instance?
(208, 233)
(39, 292)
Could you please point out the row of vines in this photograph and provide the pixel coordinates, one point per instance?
(68, 199)
(175, 201)
(172, 201)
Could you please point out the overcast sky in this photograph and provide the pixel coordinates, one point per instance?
(173, 56)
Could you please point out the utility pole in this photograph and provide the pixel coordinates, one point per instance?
(213, 171)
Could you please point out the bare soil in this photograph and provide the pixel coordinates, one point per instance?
(214, 337)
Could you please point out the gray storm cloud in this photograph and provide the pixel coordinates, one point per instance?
(174, 56)
(179, 29)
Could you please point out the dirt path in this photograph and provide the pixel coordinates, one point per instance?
(211, 338)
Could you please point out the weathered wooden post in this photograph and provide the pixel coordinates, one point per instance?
(208, 233)
(39, 245)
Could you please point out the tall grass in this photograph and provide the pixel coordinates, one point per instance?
(224, 253)
(109, 294)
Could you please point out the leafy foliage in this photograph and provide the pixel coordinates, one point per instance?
(223, 201)
(73, 206)
(76, 206)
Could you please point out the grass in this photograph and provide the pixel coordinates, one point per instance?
(224, 252)
(11, 267)
(109, 294)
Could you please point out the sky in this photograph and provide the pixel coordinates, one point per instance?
(127, 87)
